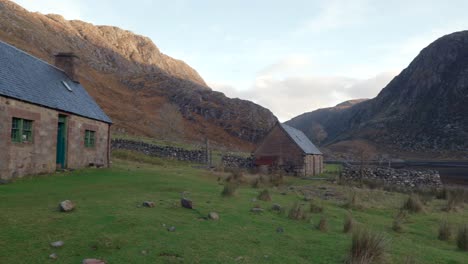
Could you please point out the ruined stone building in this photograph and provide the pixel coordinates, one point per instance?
(47, 119)
(289, 149)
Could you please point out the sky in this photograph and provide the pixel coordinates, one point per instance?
(290, 56)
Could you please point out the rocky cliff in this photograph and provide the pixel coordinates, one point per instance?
(131, 79)
(422, 110)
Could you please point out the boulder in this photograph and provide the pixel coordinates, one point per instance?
(276, 207)
(66, 206)
(149, 204)
(93, 261)
(186, 203)
(57, 244)
(213, 216)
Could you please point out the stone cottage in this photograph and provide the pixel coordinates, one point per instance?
(47, 119)
(289, 149)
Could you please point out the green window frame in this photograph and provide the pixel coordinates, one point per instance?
(21, 130)
(90, 140)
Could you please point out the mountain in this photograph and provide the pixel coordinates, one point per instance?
(133, 80)
(422, 112)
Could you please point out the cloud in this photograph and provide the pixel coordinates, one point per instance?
(294, 95)
(69, 9)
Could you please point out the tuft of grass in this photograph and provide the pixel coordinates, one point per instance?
(354, 202)
(413, 204)
(315, 208)
(323, 224)
(256, 183)
(264, 195)
(229, 189)
(455, 198)
(445, 231)
(462, 238)
(398, 221)
(349, 223)
(297, 212)
(367, 247)
(236, 175)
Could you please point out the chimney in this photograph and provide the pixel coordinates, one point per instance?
(66, 61)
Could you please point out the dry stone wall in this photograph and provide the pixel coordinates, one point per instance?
(389, 176)
(197, 156)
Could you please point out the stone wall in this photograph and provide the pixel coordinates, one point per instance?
(39, 155)
(398, 177)
(231, 161)
(198, 156)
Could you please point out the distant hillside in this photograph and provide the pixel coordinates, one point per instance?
(423, 110)
(132, 79)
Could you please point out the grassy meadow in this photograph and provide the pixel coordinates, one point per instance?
(109, 222)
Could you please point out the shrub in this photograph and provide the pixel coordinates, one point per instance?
(367, 247)
(229, 189)
(445, 231)
(297, 212)
(264, 195)
(413, 204)
(349, 223)
(462, 238)
(323, 225)
(315, 208)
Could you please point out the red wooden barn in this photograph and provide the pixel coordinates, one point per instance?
(289, 149)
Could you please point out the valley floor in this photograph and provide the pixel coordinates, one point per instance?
(109, 222)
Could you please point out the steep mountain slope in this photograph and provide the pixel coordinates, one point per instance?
(131, 79)
(423, 109)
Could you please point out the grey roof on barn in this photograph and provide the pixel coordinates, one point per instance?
(301, 140)
(27, 78)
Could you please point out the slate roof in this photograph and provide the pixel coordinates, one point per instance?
(27, 78)
(301, 140)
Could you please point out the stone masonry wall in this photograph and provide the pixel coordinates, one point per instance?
(231, 161)
(198, 156)
(399, 177)
(39, 156)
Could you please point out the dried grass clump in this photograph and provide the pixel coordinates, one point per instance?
(353, 202)
(367, 247)
(445, 231)
(277, 179)
(455, 198)
(398, 221)
(297, 212)
(413, 204)
(349, 223)
(264, 196)
(323, 224)
(315, 208)
(230, 189)
(462, 238)
(236, 175)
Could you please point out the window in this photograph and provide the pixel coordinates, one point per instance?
(21, 130)
(89, 138)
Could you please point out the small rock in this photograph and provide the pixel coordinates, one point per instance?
(57, 244)
(279, 230)
(254, 200)
(149, 204)
(256, 210)
(239, 258)
(93, 261)
(171, 229)
(144, 252)
(276, 207)
(66, 206)
(213, 216)
(53, 256)
(186, 203)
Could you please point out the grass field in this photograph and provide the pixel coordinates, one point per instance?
(110, 224)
